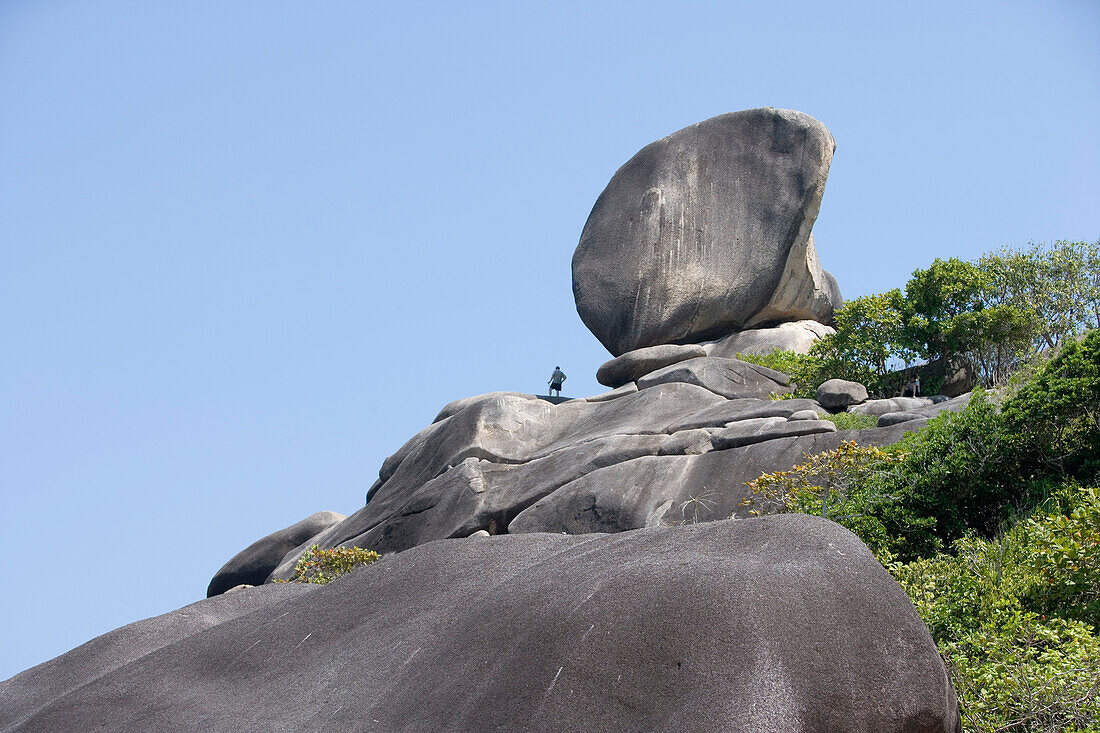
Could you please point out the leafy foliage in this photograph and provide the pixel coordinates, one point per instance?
(998, 313)
(870, 333)
(323, 566)
(806, 371)
(836, 484)
(1024, 650)
(983, 520)
(851, 421)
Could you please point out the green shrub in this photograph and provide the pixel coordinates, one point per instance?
(323, 566)
(1016, 618)
(804, 370)
(838, 484)
(852, 421)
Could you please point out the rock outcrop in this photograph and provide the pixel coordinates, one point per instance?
(253, 564)
(691, 616)
(767, 624)
(640, 362)
(708, 231)
(511, 463)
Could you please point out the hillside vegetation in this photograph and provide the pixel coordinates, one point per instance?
(990, 517)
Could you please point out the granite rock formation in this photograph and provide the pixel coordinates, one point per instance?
(708, 231)
(698, 628)
(509, 463)
(501, 602)
(253, 564)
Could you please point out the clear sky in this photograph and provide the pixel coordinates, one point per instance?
(247, 249)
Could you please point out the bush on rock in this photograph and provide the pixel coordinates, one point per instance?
(323, 566)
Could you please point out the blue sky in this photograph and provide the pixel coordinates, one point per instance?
(247, 249)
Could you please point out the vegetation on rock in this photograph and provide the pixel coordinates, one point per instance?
(997, 313)
(323, 566)
(990, 519)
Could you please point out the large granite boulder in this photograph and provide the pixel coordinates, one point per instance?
(253, 564)
(707, 231)
(925, 412)
(784, 623)
(30, 692)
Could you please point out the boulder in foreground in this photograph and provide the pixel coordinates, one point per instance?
(783, 623)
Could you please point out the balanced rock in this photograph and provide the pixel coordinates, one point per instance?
(253, 564)
(768, 624)
(837, 394)
(640, 362)
(706, 232)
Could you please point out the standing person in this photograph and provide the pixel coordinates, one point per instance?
(916, 386)
(555, 381)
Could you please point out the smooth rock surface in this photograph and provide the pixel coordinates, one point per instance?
(784, 623)
(31, 691)
(925, 412)
(730, 378)
(839, 393)
(640, 362)
(796, 336)
(614, 394)
(687, 442)
(253, 564)
(805, 415)
(894, 418)
(890, 404)
(707, 231)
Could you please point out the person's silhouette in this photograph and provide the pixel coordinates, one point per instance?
(555, 381)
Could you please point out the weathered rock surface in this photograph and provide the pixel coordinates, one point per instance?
(729, 378)
(770, 624)
(796, 336)
(30, 692)
(839, 393)
(252, 565)
(652, 490)
(890, 404)
(613, 394)
(640, 362)
(805, 415)
(924, 412)
(486, 466)
(706, 232)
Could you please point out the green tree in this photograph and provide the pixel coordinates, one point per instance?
(870, 335)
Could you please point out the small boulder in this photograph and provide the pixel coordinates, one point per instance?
(758, 430)
(895, 418)
(837, 394)
(687, 443)
(890, 404)
(640, 362)
(804, 415)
